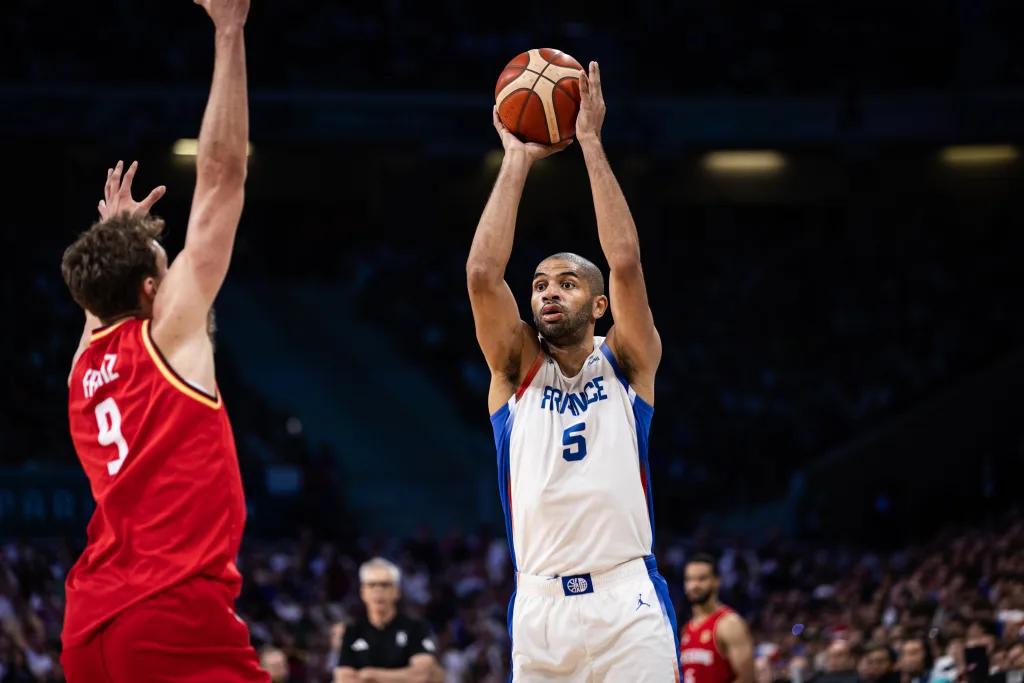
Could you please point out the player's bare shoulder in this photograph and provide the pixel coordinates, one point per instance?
(508, 379)
(640, 368)
(731, 631)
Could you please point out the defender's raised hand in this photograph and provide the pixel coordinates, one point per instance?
(592, 109)
(117, 193)
(226, 13)
(532, 150)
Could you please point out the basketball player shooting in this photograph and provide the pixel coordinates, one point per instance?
(150, 597)
(571, 414)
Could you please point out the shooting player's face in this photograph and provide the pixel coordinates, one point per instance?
(701, 583)
(562, 303)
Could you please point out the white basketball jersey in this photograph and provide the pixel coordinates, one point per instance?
(573, 470)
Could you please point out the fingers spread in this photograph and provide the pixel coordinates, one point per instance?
(108, 186)
(152, 198)
(115, 178)
(129, 176)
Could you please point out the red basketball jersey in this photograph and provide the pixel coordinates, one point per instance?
(702, 661)
(162, 466)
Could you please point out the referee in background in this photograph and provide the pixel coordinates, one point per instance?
(385, 646)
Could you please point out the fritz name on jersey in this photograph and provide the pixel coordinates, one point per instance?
(94, 378)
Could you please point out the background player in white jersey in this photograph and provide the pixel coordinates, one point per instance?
(571, 414)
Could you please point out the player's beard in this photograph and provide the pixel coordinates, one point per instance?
(701, 599)
(566, 331)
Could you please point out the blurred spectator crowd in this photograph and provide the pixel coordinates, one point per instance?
(950, 610)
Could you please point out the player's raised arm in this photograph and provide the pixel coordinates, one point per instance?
(633, 338)
(186, 296)
(502, 335)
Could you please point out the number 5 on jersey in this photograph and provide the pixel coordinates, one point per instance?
(575, 443)
(108, 418)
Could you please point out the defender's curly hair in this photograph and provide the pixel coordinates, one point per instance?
(107, 264)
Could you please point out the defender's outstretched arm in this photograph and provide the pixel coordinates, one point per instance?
(633, 338)
(184, 300)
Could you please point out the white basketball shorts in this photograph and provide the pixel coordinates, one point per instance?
(615, 626)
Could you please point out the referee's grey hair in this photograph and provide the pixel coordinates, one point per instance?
(380, 563)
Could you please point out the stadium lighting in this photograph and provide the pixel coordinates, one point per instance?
(744, 161)
(188, 147)
(977, 155)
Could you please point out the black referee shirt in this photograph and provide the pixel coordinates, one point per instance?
(388, 648)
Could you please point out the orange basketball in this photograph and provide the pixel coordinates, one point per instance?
(538, 96)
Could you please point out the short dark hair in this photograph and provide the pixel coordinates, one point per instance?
(880, 647)
(589, 272)
(929, 660)
(705, 558)
(104, 267)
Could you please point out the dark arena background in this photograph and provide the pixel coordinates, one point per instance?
(830, 202)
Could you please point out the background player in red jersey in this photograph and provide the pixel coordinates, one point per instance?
(716, 644)
(150, 599)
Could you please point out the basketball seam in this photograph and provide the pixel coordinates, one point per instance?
(515, 66)
(554, 109)
(551, 80)
(534, 88)
(558, 124)
(522, 109)
(536, 80)
(558, 84)
(566, 90)
(568, 94)
(547, 78)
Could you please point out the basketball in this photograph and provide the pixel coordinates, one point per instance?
(538, 96)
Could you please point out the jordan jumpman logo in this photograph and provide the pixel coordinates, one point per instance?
(640, 601)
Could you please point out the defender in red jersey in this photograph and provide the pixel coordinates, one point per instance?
(150, 598)
(715, 645)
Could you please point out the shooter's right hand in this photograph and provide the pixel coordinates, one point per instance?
(532, 150)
